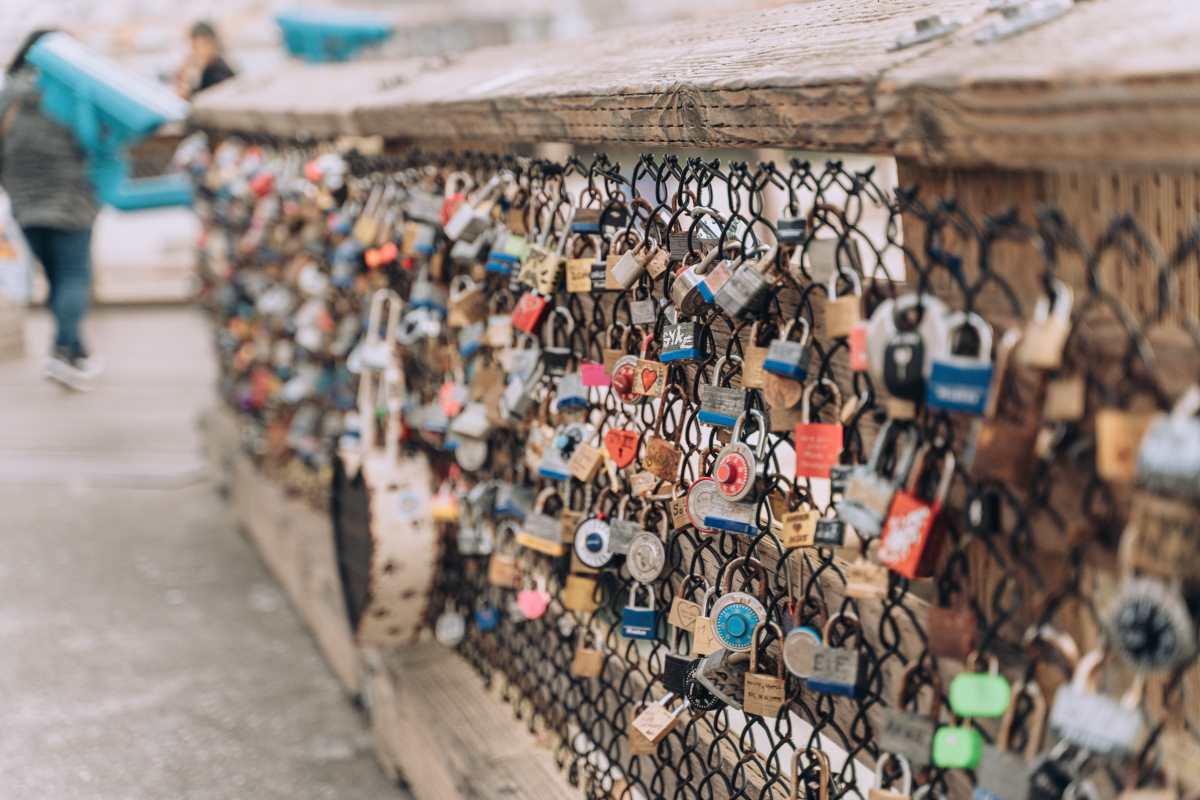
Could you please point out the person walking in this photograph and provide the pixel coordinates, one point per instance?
(206, 65)
(45, 172)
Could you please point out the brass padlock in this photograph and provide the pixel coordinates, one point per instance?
(588, 661)
(764, 695)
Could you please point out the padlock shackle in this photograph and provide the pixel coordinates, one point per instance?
(1033, 740)
(823, 771)
(806, 398)
(754, 645)
(827, 628)
(905, 772)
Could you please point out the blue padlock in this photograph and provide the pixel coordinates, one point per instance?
(721, 405)
(487, 619)
(735, 615)
(958, 382)
(639, 622)
(789, 357)
(679, 341)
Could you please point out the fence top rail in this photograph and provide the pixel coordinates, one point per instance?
(1111, 80)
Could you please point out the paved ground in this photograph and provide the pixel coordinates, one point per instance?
(146, 653)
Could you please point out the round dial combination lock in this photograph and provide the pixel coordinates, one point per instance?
(450, 628)
(735, 616)
(700, 501)
(646, 557)
(592, 543)
(734, 472)
(623, 373)
(1151, 625)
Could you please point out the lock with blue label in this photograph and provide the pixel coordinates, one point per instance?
(788, 357)
(709, 510)
(487, 619)
(961, 382)
(837, 670)
(721, 405)
(679, 341)
(735, 615)
(639, 622)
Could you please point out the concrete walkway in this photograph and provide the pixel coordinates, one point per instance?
(146, 653)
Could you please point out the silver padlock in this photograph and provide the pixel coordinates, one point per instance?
(632, 264)
(1169, 456)
(748, 286)
(721, 405)
(869, 492)
(685, 285)
(1097, 722)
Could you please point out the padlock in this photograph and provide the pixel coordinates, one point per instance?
(799, 528)
(592, 542)
(979, 694)
(738, 468)
(704, 635)
(1094, 721)
(960, 382)
(1004, 775)
(680, 341)
(799, 645)
(789, 358)
(639, 622)
(570, 395)
(467, 303)
(677, 665)
(579, 594)
(530, 311)
(907, 733)
(558, 356)
(1047, 333)
(722, 674)
(631, 264)
(1168, 460)
(837, 670)
(866, 580)
(910, 540)
(754, 356)
(720, 405)
(952, 631)
(557, 454)
(1002, 449)
(870, 488)
(877, 792)
(735, 615)
(656, 721)
(818, 445)
(904, 335)
(1150, 624)
(487, 618)
(539, 529)
(748, 286)
(829, 531)
(533, 599)
(472, 216)
(824, 771)
(844, 312)
(791, 229)
(585, 463)
(588, 661)
(646, 556)
(688, 281)
(622, 530)
(957, 747)
(621, 444)
(1119, 435)
(764, 695)
(450, 628)
(716, 277)
(1052, 776)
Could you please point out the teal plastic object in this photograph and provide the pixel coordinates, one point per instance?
(322, 35)
(957, 748)
(979, 694)
(108, 108)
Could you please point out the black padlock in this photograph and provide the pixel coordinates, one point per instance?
(1053, 774)
(903, 365)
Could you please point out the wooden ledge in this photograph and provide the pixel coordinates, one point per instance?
(1112, 80)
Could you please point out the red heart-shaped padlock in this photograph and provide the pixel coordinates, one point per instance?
(622, 446)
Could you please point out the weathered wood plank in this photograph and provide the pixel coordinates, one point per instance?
(818, 75)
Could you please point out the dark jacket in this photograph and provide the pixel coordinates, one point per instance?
(42, 167)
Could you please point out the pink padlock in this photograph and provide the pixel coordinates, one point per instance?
(593, 375)
(534, 602)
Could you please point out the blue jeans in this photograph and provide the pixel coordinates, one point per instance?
(66, 257)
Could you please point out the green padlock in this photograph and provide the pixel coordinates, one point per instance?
(979, 694)
(958, 747)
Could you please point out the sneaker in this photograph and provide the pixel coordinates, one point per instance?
(73, 372)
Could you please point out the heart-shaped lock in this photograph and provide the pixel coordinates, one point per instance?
(534, 601)
(622, 446)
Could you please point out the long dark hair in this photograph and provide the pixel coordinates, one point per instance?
(19, 62)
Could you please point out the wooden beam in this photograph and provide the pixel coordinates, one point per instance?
(1111, 80)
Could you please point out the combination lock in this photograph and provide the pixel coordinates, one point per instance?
(737, 468)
